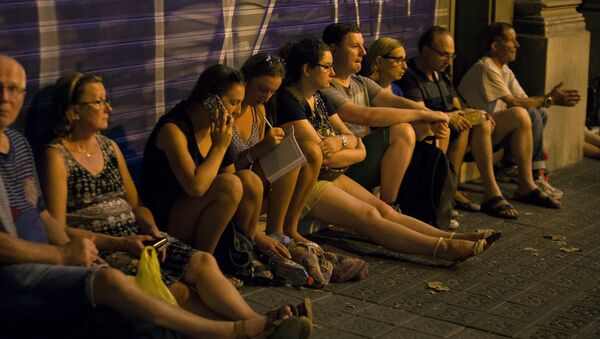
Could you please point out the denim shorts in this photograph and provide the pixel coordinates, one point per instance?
(39, 290)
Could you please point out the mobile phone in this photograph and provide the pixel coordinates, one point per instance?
(158, 244)
(214, 103)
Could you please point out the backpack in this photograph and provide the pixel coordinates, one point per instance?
(428, 188)
(592, 116)
(235, 253)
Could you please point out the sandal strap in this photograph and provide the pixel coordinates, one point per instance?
(239, 330)
(437, 245)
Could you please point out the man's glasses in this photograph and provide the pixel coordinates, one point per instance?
(443, 54)
(395, 60)
(14, 91)
(96, 103)
(326, 68)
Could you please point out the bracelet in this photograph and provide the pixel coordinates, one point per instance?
(249, 158)
(344, 140)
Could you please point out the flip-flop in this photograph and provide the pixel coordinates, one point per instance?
(493, 208)
(468, 206)
(303, 309)
(290, 328)
(535, 198)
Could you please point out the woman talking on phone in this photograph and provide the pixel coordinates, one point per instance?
(88, 187)
(189, 181)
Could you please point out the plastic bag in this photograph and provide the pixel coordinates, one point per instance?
(148, 276)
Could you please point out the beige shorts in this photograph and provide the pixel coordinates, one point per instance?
(317, 191)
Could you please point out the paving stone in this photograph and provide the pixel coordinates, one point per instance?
(272, 298)
(409, 303)
(367, 291)
(540, 332)
(344, 303)
(387, 314)
(537, 300)
(499, 325)
(335, 334)
(327, 317)
(364, 327)
(586, 299)
(453, 314)
(405, 333)
(593, 329)
(578, 311)
(433, 326)
(391, 282)
(473, 301)
(312, 293)
(472, 333)
(491, 290)
(564, 322)
(519, 312)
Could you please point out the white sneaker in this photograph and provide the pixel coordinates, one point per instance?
(552, 191)
(453, 224)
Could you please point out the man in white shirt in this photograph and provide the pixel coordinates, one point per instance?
(491, 85)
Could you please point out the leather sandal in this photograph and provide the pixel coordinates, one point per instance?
(479, 247)
(493, 207)
(489, 235)
(536, 197)
(290, 328)
(303, 309)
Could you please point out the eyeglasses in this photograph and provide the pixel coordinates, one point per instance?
(326, 68)
(14, 91)
(96, 103)
(443, 54)
(272, 59)
(395, 60)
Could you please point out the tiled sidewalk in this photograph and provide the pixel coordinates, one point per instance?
(524, 286)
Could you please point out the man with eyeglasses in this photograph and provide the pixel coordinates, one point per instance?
(389, 125)
(426, 81)
(491, 85)
(54, 286)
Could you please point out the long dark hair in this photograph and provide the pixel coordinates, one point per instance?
(216, 79)
(297, 54)
(68, 91)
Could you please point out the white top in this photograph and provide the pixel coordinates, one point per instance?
(485, 83)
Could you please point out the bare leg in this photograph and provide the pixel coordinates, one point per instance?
(351, 187)
(246, 217)
(215, 291)
(306, 180)
(279, 198)
(189, 301)
(339, 207)
(115, 291)
(201, 221)
(591, 138)
(515, 123)
(482, 150)
(396, 159)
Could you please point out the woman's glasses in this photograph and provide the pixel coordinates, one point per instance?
(395, 60)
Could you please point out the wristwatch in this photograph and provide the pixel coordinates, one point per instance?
(344, 140)
(548, 101)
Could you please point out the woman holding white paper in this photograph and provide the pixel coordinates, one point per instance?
(342, 201)
(285, 196)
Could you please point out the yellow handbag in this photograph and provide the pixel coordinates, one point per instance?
(148, 276)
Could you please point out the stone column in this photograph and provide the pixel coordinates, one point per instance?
(591, 11)
(555, 47)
